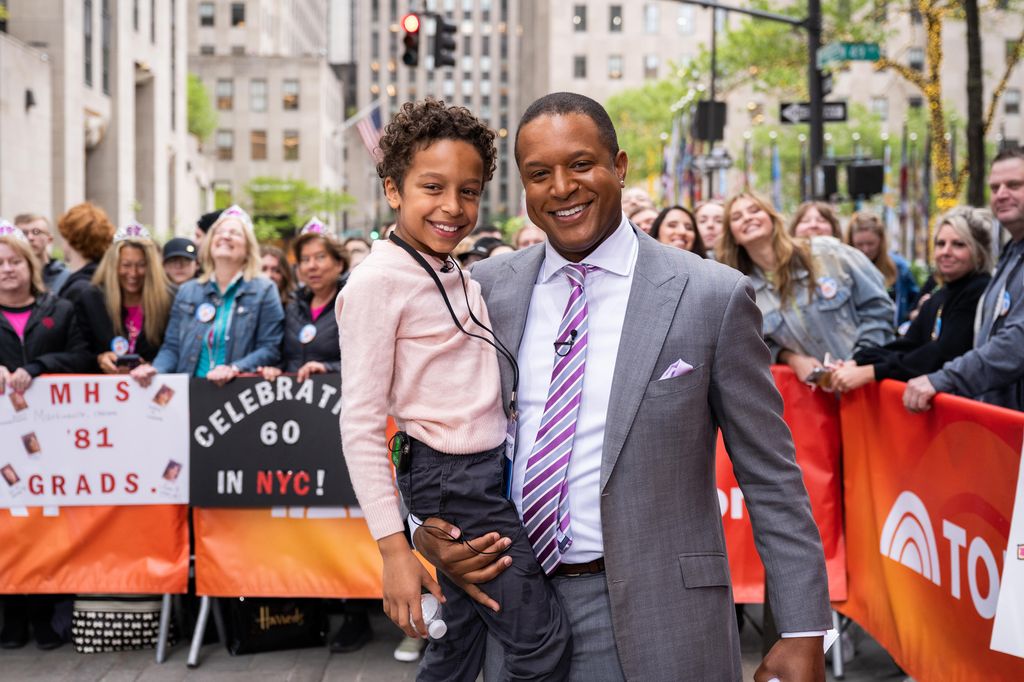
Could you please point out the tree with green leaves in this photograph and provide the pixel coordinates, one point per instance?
(280, 206)
(202, 117)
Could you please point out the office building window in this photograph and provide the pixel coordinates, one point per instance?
(579, 18)
(152, 21)
(579, 66)
(207, 10)
(291, 145)
(258, 145)
(238, 50)
(258, 94)
(651, 63)
(290, 94)
(222, 197)
(206, 50)
(915, 102)
(1011, 101)
(615, 18)
(238, 14)
(915, 58)
(225, 145)
(684, 20)
(651, 17)
(225, 94)
(615, 66)
(135, 15)
(87, 38)
(880, 107)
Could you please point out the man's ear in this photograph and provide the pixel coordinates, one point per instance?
(392, 193)
(621, 163)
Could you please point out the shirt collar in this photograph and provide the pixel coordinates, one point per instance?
(616, 254)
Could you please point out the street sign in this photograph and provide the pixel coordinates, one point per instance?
(705, 163)
(800, 112)
(848, 52)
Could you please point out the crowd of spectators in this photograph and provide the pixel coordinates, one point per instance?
(839, 306)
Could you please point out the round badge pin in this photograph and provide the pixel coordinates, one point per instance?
(205, 312)
(1005, 306)
(828, 287)
(307, 334)
(120, 345)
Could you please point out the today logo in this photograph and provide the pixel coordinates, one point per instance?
(908, 538)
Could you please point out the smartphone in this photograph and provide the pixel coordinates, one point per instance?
(128, 361)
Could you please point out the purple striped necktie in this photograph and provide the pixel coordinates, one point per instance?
(545, 485)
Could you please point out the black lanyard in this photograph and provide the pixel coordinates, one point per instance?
(496, 344)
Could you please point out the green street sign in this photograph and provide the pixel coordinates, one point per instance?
(848, 52)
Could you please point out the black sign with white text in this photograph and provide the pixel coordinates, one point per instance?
(257, 443)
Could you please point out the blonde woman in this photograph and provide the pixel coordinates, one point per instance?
(866, 233)
(944, 327)
(124, 313)
(818, 297)
(228, 321)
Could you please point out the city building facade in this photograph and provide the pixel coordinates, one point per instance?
(279, 103)
(116, 94)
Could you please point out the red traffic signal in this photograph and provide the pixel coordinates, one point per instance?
(411, 23)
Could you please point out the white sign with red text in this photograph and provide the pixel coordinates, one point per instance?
(95, 440)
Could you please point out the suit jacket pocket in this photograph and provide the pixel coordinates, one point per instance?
(708, 569)
(677, 384)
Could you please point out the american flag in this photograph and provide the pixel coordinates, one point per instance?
(369, 128)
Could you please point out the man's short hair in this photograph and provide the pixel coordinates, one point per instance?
(1007, 153)
(26, 218)
(562, 103)
(207, 220)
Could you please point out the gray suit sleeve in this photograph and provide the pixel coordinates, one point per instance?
(997, 363)
(748, 409)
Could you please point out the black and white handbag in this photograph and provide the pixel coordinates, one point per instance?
(103, 623)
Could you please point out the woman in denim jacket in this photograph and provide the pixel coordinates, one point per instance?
(228, 321)
(817, 297)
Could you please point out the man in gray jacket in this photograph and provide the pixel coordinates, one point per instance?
(669, 350)
(994, 371)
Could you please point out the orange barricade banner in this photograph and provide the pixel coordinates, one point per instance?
(813, 417)
(928, 505)
(61, 550)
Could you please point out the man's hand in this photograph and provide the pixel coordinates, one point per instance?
(464, 566)
(917, 396)
(794, 659)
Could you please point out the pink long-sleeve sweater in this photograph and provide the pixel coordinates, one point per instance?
(401, 355)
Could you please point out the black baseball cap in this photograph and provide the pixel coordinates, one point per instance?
(180, 247)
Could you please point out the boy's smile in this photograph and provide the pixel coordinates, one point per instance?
(439, 200)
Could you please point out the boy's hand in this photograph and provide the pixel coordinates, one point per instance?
(404, 577)
(464, 566)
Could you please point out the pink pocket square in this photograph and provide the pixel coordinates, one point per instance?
(676, 369)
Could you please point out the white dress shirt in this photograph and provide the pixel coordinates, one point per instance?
(607, 289)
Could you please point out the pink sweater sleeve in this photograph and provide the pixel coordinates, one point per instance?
(367, 333)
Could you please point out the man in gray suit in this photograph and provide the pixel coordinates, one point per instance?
(673, 353)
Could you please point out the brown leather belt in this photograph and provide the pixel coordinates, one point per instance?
(575, 570)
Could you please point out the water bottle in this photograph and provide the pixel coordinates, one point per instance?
(436, 627)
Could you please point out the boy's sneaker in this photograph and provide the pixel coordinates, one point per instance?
(409, 649)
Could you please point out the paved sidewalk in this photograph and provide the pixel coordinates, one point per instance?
(373, 663)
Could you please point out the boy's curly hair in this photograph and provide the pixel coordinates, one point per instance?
(418, 124)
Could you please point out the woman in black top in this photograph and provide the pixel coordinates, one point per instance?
(310, 344)
(944, 326)
(124, 313)
(38, 334)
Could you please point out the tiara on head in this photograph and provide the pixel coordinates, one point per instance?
(237, 212)
(132, 231)
(315, 226)
(8, 230)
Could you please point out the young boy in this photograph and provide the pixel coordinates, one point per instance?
(403, 354)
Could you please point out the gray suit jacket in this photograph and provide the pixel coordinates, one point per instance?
(667, 572)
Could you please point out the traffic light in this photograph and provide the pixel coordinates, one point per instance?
(411, 25)
(444, 44)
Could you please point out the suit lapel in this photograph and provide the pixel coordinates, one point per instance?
(656, 289)
(509, 299)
